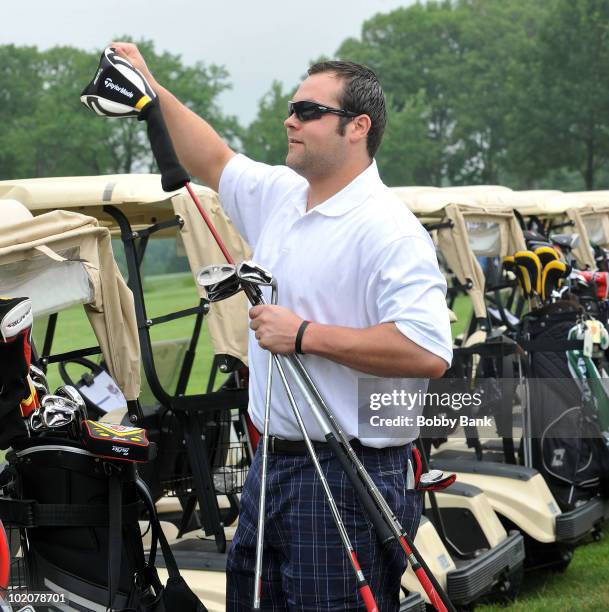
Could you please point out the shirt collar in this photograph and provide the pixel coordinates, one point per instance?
(351, 195)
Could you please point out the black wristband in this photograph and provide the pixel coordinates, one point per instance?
(299, 334)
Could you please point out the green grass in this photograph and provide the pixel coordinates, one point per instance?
(163, 294)
(584, 586)
(462, 307)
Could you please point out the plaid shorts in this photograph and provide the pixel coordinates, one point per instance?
(305, 566)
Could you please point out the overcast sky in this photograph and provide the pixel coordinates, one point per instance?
(256, 41)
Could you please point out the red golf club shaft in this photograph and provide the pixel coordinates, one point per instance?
(209, 224)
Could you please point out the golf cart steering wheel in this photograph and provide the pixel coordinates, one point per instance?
(93, 410)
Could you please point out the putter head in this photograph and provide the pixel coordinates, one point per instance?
(15, 317)
(118, 89)
(219, 281)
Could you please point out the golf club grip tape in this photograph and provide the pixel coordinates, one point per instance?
(173, 175)
(371, 510)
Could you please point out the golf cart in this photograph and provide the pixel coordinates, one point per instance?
(466, 233)
(70, 488)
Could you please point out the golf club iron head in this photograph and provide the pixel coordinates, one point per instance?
(250, 272)
(253, 276)
(71, 393)
(59, 412)
(220, 281)
(39, 380)
(36, 423)
(118, 89)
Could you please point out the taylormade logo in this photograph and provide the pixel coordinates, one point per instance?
(110, 85)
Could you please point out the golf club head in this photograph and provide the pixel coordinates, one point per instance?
(435, 480)
(118, 89)
(219, 281)
(530, 265)
(36, 422)
(71, 393)
(39, 380)
(41, 389)
(15, 317)
(252, 276)
(250, 272)
(58, 411)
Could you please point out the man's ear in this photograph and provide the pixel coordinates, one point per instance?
(359, 128)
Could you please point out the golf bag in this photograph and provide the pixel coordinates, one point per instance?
(80, 514)
(567, 444)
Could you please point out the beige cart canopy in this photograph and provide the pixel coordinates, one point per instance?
(476, 231)
(61, 258)
(594, 213)
(141, 199)
(551, 205)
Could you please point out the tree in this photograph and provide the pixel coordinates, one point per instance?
(408, 155)
(568, 114)
(265, 139)
(45, 131)
(414, 51)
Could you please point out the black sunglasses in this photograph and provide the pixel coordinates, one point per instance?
(308, 111)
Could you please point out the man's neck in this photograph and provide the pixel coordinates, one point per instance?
(323, 188)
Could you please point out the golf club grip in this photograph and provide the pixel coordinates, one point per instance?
(173, 175)
(373, 513)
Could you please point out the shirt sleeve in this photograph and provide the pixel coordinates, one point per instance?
(409, 290)
(250, 190)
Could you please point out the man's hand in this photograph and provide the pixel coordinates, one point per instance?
(275, 327)
(132, 54)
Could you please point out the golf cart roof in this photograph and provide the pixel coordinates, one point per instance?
(466, 230)
(426, 202)
(141, 199)
(597, 198)
(594, 213)
(139, 196)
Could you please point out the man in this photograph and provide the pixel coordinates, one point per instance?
(360, 294)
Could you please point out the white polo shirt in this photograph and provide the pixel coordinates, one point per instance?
(358, 259)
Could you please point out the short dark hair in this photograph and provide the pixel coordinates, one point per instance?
(362, 94)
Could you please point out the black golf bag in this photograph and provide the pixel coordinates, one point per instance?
(78, 516)
(567, 445)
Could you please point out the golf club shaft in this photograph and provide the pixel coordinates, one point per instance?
(362, 585)
(209, 224)
(380, 514)
(262, 501)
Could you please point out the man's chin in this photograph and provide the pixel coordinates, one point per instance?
(294, 164)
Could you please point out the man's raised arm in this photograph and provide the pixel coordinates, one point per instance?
(198, 146)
